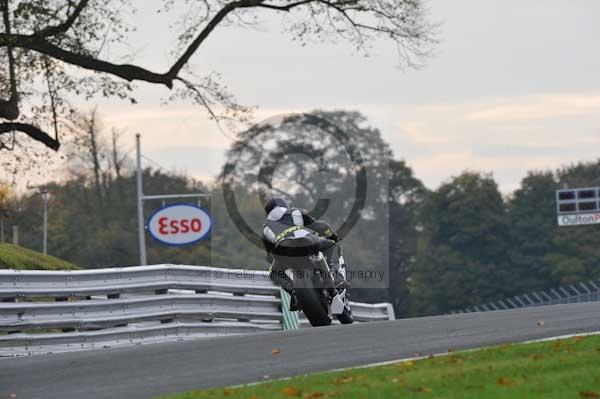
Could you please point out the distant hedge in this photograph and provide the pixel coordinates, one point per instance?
(15, 257)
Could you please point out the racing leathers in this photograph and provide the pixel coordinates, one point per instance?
(290, 237)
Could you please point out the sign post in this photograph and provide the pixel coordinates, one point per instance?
(179, 224)
(577, 207)
(140, 202)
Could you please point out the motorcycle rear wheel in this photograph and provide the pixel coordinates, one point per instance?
(310, 302)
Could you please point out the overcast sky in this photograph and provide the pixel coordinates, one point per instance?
(513, 86)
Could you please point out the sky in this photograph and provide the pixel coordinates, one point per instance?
(512, 86)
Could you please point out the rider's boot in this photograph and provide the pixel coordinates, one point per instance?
(281, 279)
(294, 302)
(293, 299)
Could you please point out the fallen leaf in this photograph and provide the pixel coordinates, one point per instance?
(455, 359)
(536, 356)
(556, 346)
(577, 338)
(420, 389)
(342, 380)
(504, 382)
(290, 391)
(275, 351)
(316, 395)
(589, 394)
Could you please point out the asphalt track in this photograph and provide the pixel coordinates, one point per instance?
(150, 370)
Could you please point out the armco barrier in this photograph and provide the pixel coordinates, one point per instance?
(46, 311)
(573, 293)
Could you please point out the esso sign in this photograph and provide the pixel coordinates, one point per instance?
(180, 224)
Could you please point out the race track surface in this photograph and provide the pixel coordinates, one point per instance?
(147, 371)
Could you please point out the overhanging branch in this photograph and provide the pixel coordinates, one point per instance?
(38, 43)
(124, 71)
(32, 131)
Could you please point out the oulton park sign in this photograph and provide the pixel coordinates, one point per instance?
(576, 207)
(577, 220)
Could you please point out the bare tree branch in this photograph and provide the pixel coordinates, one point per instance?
(124, 71)
(32, 131)
(287, 7)
(66, 25)
(212, 24)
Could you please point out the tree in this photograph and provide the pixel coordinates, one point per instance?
(4, 195)
(542, 254)
(4, 207)
(55, 49)
(461, 257)
(532, 221)
(90, 152)
(406, 197)
(299, 158)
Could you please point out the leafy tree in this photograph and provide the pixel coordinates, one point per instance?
(53, 50)
(542, 254)
(5, 194)
(406, 197)
(461, 257)
(532, 221)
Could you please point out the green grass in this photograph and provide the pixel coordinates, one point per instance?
(562, 369)
(15, 257)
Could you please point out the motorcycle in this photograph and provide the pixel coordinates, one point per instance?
(322, 291)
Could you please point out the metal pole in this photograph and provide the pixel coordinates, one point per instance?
(16, 235)
(1, 230)
(140, 203)
(45, 198)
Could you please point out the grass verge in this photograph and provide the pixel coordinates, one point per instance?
(15, 257)
(568, 368)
